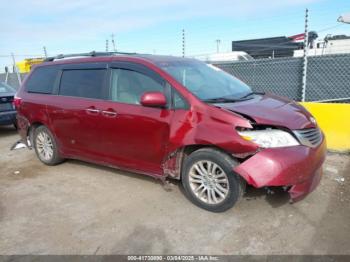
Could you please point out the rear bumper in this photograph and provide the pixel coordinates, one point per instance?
(298, 167)
(7, 117)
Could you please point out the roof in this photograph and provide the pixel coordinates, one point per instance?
(109, 57)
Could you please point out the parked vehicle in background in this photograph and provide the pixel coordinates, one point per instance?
(330, 45)
(7, 109)
(170, 117)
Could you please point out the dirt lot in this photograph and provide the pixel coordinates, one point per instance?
(80, 208)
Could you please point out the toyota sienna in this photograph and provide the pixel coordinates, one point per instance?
(170, 117)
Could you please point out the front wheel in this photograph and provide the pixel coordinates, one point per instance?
(209, 181)
(46, 146)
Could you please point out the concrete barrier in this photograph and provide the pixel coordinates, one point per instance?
(334, 120)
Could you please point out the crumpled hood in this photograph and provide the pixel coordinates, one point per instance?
(272, 110)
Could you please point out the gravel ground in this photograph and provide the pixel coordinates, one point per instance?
(81, 208)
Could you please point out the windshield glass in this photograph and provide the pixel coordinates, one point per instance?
(204, 80)
(4, 88)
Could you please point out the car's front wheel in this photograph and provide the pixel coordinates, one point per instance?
(209, 181)
(46, 146)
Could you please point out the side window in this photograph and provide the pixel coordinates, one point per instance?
(127, 86)
(42, 80)
(178, 101)
(88, 83)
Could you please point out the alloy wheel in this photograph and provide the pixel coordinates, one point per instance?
(44, 146)
(208, 182)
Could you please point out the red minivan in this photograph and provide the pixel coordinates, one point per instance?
(170, 117)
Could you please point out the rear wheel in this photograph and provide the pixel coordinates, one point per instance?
(46, 146)
(209, 181)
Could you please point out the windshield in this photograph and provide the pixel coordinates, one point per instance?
(204, 80)
(4, 88)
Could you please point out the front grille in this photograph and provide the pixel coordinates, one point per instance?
(311, 137)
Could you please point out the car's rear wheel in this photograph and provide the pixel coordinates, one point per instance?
(209, 181)
(46, 146)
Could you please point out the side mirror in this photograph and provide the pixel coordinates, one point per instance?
(153, 99)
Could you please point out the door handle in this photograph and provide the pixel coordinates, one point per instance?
(92, 111)
(109, 113)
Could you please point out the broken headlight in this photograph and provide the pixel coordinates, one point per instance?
(269, 138)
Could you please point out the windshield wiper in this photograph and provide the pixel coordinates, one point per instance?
(232, 100)
(252, 93)
(222, 100)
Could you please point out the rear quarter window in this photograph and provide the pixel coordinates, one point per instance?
(42, 80)
(85, 83)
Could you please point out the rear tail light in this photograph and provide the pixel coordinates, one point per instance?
(17, 101)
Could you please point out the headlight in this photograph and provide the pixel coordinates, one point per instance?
(269, 138)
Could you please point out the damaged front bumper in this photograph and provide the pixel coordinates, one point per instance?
(297, 167)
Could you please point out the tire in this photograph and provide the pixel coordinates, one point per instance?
(216, 190)
(46, 147)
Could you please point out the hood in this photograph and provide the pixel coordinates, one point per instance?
(272, 110)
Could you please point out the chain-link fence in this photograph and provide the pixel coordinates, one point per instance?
(11, 79)
(279, 76)
(327, 78)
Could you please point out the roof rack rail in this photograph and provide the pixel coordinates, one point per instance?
(92, 53)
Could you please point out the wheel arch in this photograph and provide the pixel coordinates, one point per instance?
(30, 132)
(173, 163)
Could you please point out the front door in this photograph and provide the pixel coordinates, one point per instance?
(134, 136)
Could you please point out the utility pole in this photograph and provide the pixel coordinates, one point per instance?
(218, 42)
(306, 49)
(183, 42)
(45, 52)
(113, 43)
(7, 74)
(16, 69)
(107, 42)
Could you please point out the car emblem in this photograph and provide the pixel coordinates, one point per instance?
(3, 99)
(313, 120)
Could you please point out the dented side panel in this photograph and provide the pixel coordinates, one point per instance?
(201, 126)
(32, 110)
(196, 127)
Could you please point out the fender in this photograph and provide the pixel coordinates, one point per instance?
(201, 127)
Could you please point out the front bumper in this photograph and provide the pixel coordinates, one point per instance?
(298, 167)
(7, 117)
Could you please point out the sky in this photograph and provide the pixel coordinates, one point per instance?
(155, 26)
